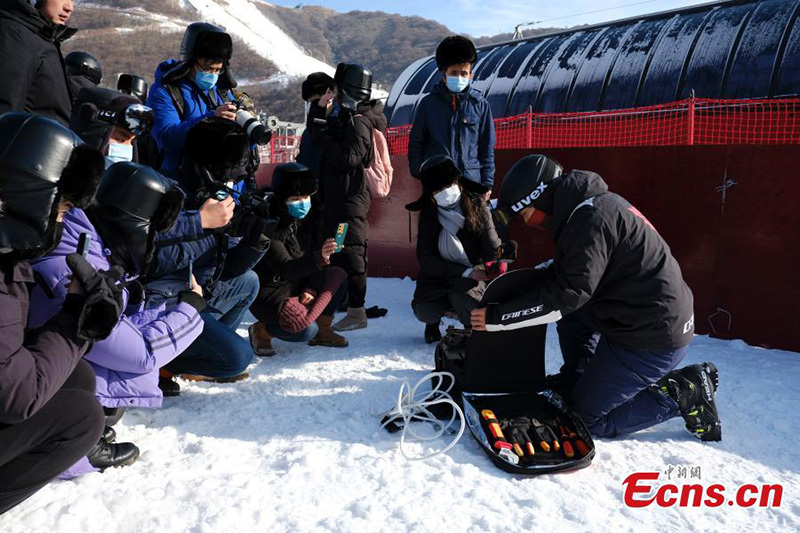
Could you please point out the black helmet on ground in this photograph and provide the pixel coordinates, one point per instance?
(133, 85)
(455, 50)
(84, 64)
(41, 163)
(354, 83)
(293, 179)
(205, 40)
(132, 204)
(528, 184)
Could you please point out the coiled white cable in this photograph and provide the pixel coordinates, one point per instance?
(413, 406)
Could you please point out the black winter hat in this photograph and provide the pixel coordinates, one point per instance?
(529, 183)
(217, 143)
(293, 179)
(454, 50)
(317, 83)
(84, 64)
(438, 172)
(355, 84)
(202, 39)
(133, 203)
(133, 85)
(40, 164)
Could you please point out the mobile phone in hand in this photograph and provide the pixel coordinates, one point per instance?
(190, 281)
(341, 233)
(83, 244)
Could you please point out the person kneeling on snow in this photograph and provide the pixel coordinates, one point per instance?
(49, 417)
(132, 204)
(455, 240)
(222, 259)
(625, 315)
(298, 285)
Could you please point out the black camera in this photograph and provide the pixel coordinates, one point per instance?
(256, 131)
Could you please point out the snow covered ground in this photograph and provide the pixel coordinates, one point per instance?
(296, 448)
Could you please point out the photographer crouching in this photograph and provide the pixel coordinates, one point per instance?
(219, 237)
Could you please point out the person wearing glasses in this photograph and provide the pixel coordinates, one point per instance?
(189, 89)
(111, 121)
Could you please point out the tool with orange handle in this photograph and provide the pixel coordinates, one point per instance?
(500, 443)
(547, 439)
(568, 433)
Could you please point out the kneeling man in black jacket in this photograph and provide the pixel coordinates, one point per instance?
(625, 315)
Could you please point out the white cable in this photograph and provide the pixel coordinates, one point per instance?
(411, 407)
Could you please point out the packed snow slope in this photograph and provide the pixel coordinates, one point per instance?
(298, 448)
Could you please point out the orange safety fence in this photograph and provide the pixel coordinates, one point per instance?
(693, 121)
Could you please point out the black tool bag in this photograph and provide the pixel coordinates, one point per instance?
(504, 372)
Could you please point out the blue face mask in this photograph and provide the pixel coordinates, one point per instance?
(456, 84)
(118, 153)
(300, 208)
(205, 80)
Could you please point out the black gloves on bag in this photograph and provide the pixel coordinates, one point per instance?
(103, 306)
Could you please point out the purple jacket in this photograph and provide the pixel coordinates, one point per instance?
(127, 362)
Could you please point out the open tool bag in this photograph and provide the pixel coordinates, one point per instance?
(500, 381)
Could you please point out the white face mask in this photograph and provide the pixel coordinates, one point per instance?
(449, 196)
(118, 153)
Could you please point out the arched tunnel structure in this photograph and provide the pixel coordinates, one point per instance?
(736, 49)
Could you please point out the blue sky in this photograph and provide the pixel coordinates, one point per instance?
(489, 17)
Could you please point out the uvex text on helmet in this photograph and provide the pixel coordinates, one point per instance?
(527, 184)
(355, 84)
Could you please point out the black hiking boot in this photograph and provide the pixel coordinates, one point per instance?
(432, 333)
(693, 388)
(109, 435)
(105, 455)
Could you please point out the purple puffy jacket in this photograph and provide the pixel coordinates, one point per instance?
(127, 362)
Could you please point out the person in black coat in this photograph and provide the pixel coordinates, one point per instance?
(31, 63)
(345, 142)
(456, 238)
(299, 291)
(625, 315)
(49, 417)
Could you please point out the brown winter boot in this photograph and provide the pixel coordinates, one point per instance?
(260, 340)
(356, 319)
(326, 336)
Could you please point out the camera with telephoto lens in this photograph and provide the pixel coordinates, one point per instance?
(256, 131)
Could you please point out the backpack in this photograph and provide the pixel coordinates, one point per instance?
(379, 172)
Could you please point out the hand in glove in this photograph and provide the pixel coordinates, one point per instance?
(254, 230)
(103, 306)
(495, 268)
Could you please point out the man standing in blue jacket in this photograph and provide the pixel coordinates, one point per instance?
(455, 120)
(188, 90)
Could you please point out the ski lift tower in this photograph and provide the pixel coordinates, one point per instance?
(518, 36)
(285, 142)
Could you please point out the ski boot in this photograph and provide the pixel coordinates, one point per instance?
(693, 388)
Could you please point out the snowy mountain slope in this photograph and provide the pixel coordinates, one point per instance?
(243, 19)
(297, 448)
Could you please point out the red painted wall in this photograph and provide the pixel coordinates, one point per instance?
(740, 253)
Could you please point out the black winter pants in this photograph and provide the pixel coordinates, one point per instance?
(35, 451)
(353, 259)
(464, 296)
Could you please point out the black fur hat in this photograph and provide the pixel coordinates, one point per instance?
(438, 172)
(81, 176)
(316, 83)
(217, 142)
(202, 39)
(293, 179)
(454, 50)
